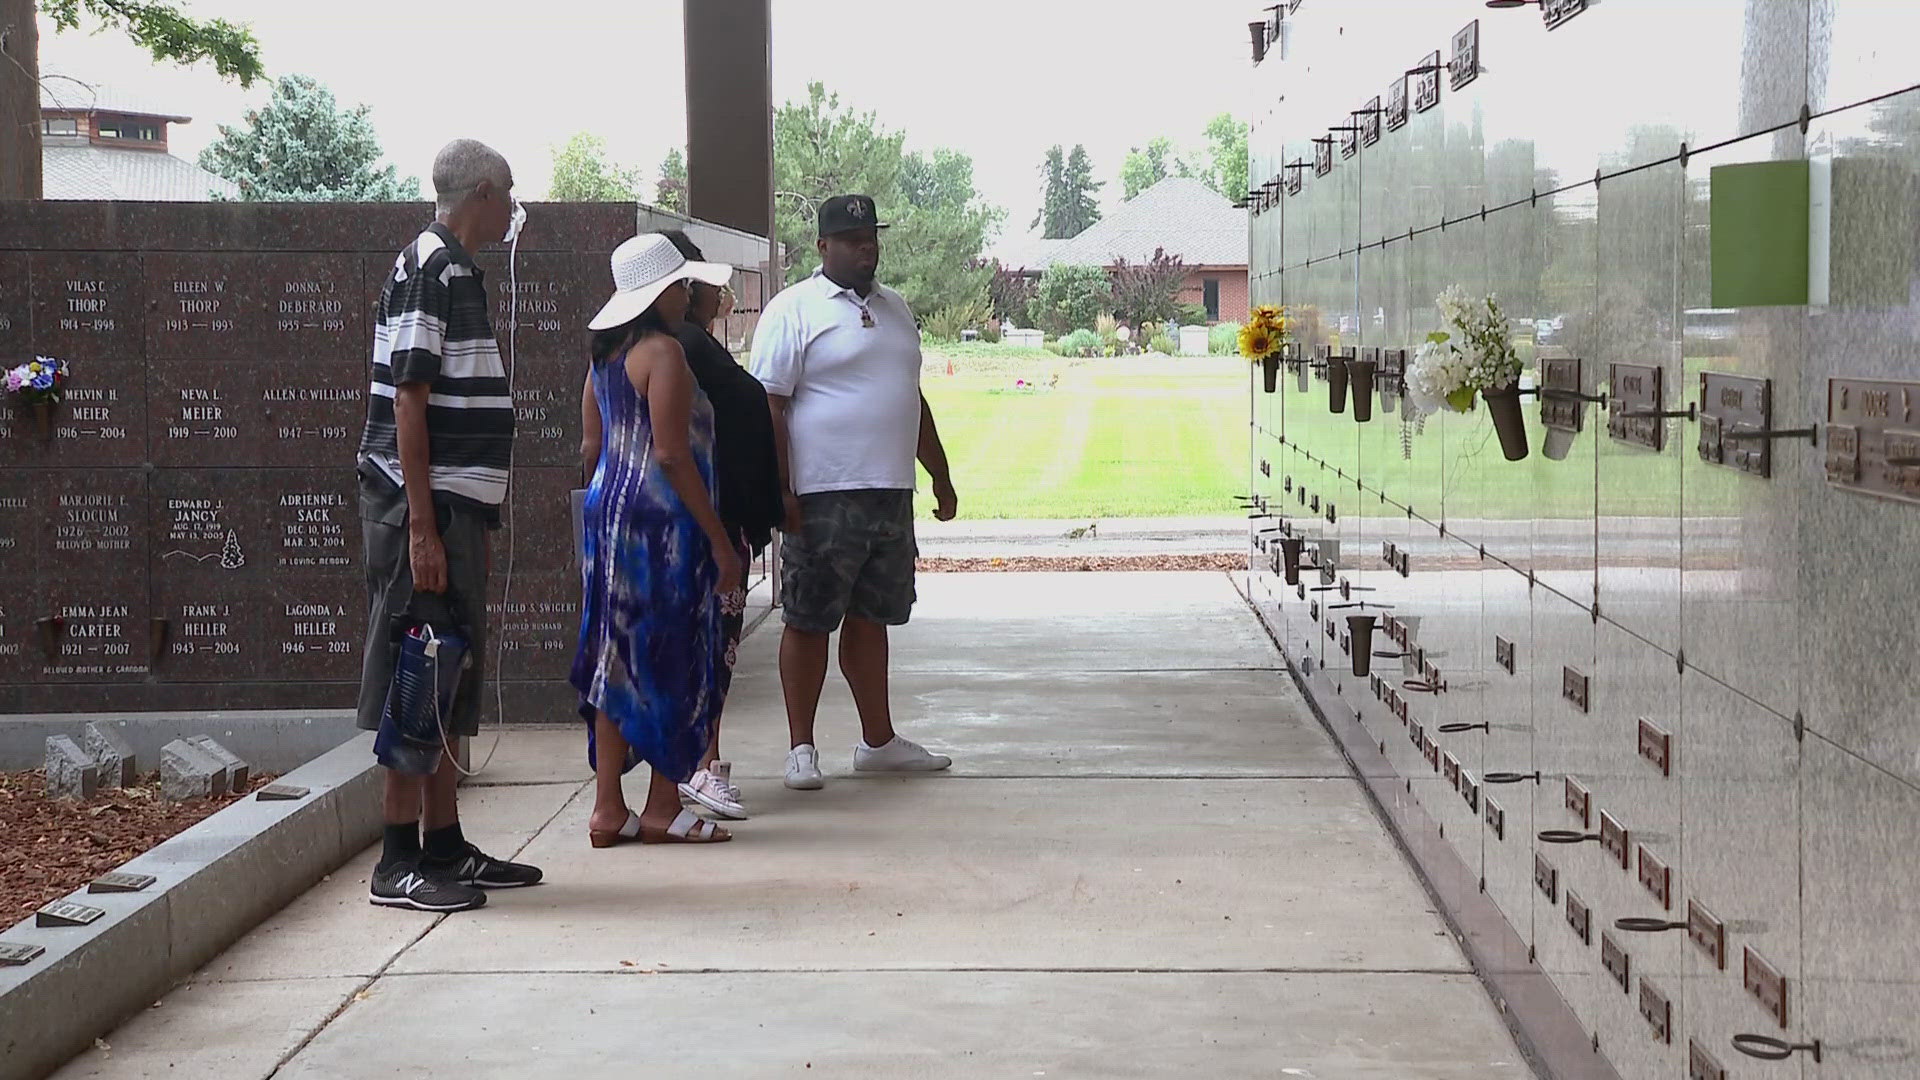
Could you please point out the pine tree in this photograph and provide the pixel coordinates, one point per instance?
(302, 147)
(1052, 217)
(1083, 207)
(230, 557)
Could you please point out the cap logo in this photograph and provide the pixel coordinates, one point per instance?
(857, 208)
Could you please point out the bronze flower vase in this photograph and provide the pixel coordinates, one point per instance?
(1336, 384)
(1360, 630)
(1508, 421)
(1360, 375)
(1270, 371)
(43, 411)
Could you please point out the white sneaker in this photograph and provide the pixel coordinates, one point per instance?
(900, 755)
(712, 789)
(803, 768)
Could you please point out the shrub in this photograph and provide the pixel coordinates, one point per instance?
(990, 332)
(1108, 330)
(1223, 339)
(1071, 297)
(1164, 345)
(1078, 343)
(1010, 294)
(1191, 315)
(1147, 291)
(946, 323)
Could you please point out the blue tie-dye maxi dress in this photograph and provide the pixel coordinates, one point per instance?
(651, 652)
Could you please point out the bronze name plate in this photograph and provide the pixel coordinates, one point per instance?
(1634, 393)
(1564, 413)
(1732, 406)
(1873, 437)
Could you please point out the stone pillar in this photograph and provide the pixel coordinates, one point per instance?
(730, 113)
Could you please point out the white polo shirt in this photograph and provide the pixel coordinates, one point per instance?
(855, 389)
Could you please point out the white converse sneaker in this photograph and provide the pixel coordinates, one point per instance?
(711, 790)
(803, 768)
(900, 755)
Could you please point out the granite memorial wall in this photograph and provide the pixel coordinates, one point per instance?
(1649, 687)
(182, 531)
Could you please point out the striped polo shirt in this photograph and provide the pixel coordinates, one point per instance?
(432, 327)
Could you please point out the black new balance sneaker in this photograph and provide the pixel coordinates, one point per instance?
(481, 870)
(405, 885)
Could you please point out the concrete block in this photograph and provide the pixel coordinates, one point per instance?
(111, 751)
(188, 772)
(238, 774)
(71, 774)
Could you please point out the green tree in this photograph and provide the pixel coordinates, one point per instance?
(583, 172)
(939, 222)
(1068, 201)
(1144, 168)
(160, 28)
(1071, 298)
(670, 192)
(301, 146)
(1226, 170)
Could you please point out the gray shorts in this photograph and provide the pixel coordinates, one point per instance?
(854, 556)
(463, 531)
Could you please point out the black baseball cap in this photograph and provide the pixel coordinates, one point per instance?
(844, 212)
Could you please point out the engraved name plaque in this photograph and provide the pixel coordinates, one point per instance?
(1397, 104)
(1634, 393)
(15, 953)
(1426, 85)
(1563, 413)
(1323, 155)
(1732, 406)
(66, 913)
(1370, 122)
(1464, 65)
(1873, 437)
(1555, 13)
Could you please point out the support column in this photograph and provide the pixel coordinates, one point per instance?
(730, 113)
(20, 101)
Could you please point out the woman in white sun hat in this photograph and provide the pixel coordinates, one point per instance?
(656, 558)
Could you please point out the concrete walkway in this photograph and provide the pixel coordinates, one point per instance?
(1149, 861)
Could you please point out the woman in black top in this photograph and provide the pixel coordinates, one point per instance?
(750, 505)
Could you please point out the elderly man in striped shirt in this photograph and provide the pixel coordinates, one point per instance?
(433, 473)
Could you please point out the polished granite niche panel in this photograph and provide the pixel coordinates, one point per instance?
(1637, 322)
(1741, 620)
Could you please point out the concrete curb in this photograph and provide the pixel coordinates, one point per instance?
(215, 881)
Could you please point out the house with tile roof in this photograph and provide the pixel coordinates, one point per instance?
(96, 143)
(1181, 215)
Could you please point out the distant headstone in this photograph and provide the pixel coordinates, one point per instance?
(238, 774)
(188, 772)
(71, 774)
(112, 753)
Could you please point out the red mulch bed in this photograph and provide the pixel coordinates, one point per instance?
(49, 847)
(1225, 561)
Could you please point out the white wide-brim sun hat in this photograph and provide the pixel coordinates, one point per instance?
(643, 267)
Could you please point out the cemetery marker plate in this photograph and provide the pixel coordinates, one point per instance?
(120, 882)
(13, 953)
(66, 913)
(282, 792)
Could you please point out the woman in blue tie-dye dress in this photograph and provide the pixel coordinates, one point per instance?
(656, 559)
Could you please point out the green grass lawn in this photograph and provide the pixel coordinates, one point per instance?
(1160, 436)
(1139, 437)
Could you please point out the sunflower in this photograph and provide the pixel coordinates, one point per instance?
(1257, 341)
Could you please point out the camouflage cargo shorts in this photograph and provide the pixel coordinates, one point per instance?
(854, 556)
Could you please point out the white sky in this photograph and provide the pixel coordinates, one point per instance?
(999, 79)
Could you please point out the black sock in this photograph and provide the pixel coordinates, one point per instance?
(446, 842)
(402, 844)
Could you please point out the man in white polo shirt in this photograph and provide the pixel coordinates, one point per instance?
(840, 357)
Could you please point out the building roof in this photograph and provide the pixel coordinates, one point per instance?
(62, 93)
(1028, 252)
(1182, 215)
(100, 172)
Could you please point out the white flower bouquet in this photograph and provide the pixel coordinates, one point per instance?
(1472, 355)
